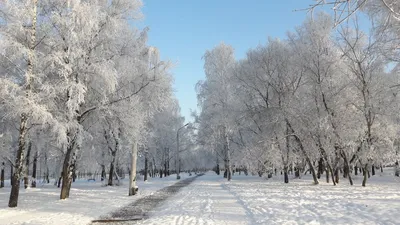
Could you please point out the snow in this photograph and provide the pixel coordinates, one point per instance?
(88, 201)
(253, 200)
(210, 199)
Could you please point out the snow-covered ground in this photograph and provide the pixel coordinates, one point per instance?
(88, 201)
(212, 200)
(253, 200)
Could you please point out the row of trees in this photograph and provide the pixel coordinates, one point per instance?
(81, 90)
(321, 98)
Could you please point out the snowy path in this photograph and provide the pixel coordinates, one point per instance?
(252, 200)
(141, 208)
(205, 201)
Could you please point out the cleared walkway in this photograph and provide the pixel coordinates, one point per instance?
(143, 207)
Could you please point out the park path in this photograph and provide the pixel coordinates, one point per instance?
(143, 207)
(201, 200)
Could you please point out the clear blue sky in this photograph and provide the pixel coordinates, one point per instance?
(184, 29)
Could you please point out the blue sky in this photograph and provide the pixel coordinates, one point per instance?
(184, 29)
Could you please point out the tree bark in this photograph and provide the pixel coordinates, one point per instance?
(111, 172)
(145, 166)
(285, 174)
(46, 176)
(165, 169)
(2, 175)
(28, 155)
(314, 175)
(103, 172)
(373, 170)
(13, 201)
(320, 167)
(59, 180)
(365, 172)
(66, 169)
(327, 174)
(34, 170)
(228, 165)
(337, 175)
(132, 181)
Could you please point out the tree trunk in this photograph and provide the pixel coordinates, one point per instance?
(46, 176)
(347, 168)
(154, 167)
(320, 167)
(337, 176)
(314, 175)
(28, 155)
(2, 175)
(327, 175)
(66, 173)
(355, 170)
(228, 155)
(59, 180)
(226, 170)
(365, 172)
(373, 170)
(111, 173)
(332, 174)
(285, 174)
(103, 172)
(74, 171)
(132, 181)
(19, 161)
(145, 166)
(34, 170)
(165, 169)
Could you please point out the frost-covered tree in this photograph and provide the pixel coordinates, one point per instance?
(215, 97)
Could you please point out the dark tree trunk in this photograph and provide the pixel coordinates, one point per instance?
(19, 160)
(355, 170)
(365, 172)
(285, 175)
(327, 174)
(165, 169)
(345, 171)
(2, 175)
(103, 172)
(314, 174)
(59, 180)
(337, 176)
(67, 167)
(373, 170)
(111, 172)
(161, 173)
(34, 170)
(28, 155)
(46, 176)
(74, 172)
(320, 167)
(146, 167)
